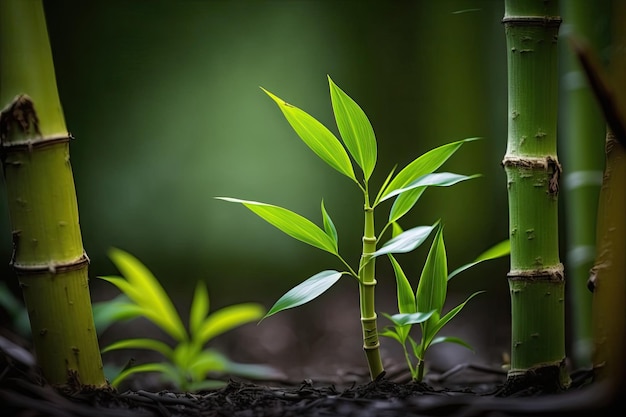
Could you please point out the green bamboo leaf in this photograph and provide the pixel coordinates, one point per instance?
(290, 223)
(406, 298)
(449, 316)
(417, 350)
(306, 291)
(199, 308)
(152, 297)
(404, 203)
(425, 164)
(431, 290)
(392, 334)
(106, 313)
(355, 129)
(227, 318)
(150, 344)
(451, 339)
(127, 289)
(437, 179)
(317, 137)
(329, 227)
(405, 241)
(496, 251)
(166, 370)
(401, 332)
(396, 229)
(383, 187)
(413, 318)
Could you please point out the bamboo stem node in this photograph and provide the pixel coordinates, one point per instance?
(554, 273)
(542, 21)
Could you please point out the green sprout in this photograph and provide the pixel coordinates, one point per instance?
(188, 363)
(405, 187)
(426, 305)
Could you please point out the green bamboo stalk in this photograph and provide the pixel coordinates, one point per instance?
(583, 126)
(536, 278)
(367, 285)
(608, 276)
(48, 256)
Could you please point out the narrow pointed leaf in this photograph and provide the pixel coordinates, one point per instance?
(148, 293)
(383, 187)
(425, 164)
(431, 290)
(164, 369)
(496, 251)
(451, 339)
(199, 308)
(450, 315)
(355, 129)
(413, 318)
(396, 229)
(150, 344)
(406, 298)
(404, 203)
(437, 179)
(228, 318)
(392, 334)
(405, 241)
(306, 291)
(290, 223)
(317, 137)
(329, 227)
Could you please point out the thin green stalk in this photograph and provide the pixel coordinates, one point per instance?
(367, 285)
(48, 256)
(536, 278)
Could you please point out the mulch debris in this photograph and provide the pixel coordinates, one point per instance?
(24, 393)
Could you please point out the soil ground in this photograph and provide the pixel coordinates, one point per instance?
(467, 390)
(322, 373)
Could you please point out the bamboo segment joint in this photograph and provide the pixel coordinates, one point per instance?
(543, 21)
(553, 274)
(21, 113)
(549, 163)
(51, 268)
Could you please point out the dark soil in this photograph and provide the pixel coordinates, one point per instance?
(466, 390)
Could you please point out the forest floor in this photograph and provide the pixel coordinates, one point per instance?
(321, 374)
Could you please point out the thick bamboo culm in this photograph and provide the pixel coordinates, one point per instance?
(48, 256)
(536, 278)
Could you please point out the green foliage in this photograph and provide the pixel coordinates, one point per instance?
(188, 363)
(426, 305)
(359, 145)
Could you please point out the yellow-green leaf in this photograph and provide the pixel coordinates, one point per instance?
(228, 318)
(291, 223)
(316, 136)
(355, 129)
(145, 290)
(199, 308)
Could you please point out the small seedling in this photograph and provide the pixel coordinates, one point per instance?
(405, 187)
(189, 362)
(426, 305)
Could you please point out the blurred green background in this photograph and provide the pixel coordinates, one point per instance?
(163, 98)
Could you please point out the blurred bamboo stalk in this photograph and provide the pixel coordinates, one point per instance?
(48, 255)
(608, 276)
(583, 126)
(536, 278)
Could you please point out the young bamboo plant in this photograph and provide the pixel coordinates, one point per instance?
(189, 362)
(48, 256)
(426, 305)
(406, 187)
(536, 279)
